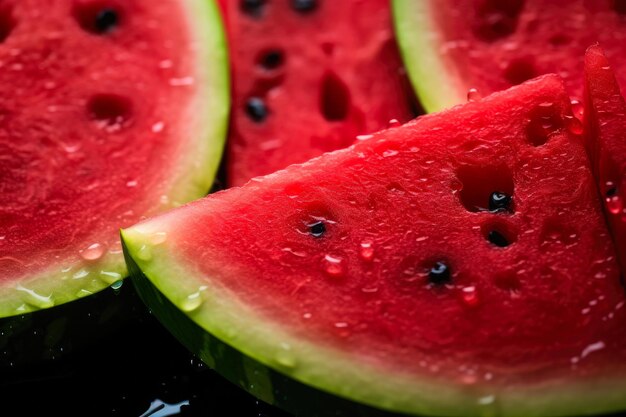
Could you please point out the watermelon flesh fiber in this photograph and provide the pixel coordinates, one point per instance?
(491, 45)
(321, 77)
(605, 117)
(533, 328)
(100, 129)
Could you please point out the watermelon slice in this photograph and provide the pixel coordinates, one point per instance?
(605, 122)
(452, 46)
(111, 111)
(457, 265)
(309, 76)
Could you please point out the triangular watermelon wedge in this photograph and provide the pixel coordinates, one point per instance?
(605, 122)
(459, 265)
(451, 46)
(309, 76)
(111, 111)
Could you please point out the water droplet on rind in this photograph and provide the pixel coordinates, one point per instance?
(92, 252)
(110, 277)
(191, 302)
(34, 299)
(285, 356)
(144, 253)
(117, 284)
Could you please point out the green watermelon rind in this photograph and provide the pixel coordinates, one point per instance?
(58, 284)
(249, 349)
(436, 84)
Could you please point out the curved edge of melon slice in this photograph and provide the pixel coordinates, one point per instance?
(213, 74)
(276, 366)
(198, 167)
(433, 81)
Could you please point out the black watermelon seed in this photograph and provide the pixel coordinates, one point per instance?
(304, 6)
(611, 192)
(106, 20)
(499, 201)
(439, 274)
(256, 109)
(498, 239)
(317, 229)
(252, 7)
(272, 60)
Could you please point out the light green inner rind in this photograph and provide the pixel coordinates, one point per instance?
(194, 175)
(61, 284)
(209, 127)
(219, 312)
(434, 81)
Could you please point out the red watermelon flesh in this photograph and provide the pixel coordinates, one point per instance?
(385, 262)
(307, 79)
(605, 117)
(493, 44)
(110, 112)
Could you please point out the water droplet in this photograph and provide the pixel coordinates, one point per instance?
(470, 296)
(364, 137)
(393, 123)
(131, 184)
(487, 400)
(473, 95)
(144, 253)
(341, 325)
(83, 293)
(307, 316)
(158, 127)
(192, 302)
(34, 299)
(578, 109)
(614, 204)
(166, 64)
(82, 273)
(285, 356)
(110, 277)
(594, 347)
(158, 238)
(181, 82)
(367, 251)
(93, 252)
(332, 265)
(389, 153)
(574, 125)
(117, 285)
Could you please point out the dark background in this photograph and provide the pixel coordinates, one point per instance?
(130, 372)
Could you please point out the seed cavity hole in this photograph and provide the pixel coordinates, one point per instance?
(559, 39)
(619, 6)
(110, 110)
(252, 8)
(480, 183)
(334, 98)
(7, 22)
(271, 59)
(315, 220)
(98, 17)
(497, 19)
(520, 70)
(545, 120)
(499, 234)
(304, 6)
(256, 109)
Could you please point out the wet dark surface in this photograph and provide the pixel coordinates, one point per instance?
(139, 370)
